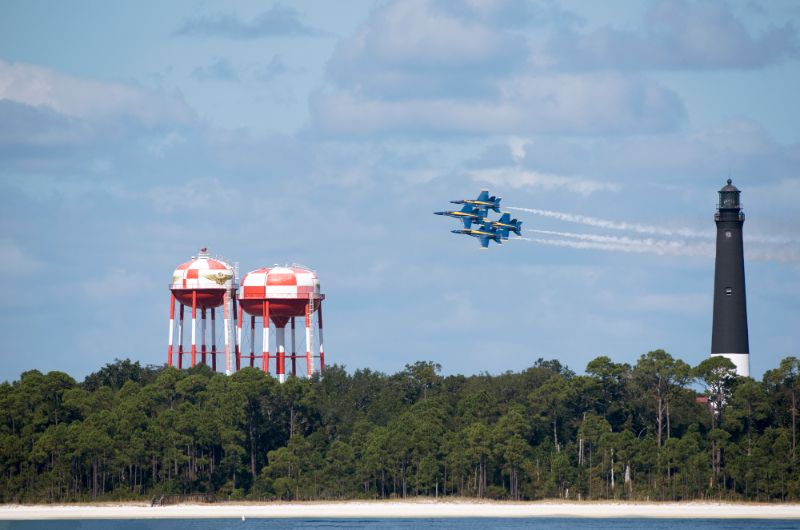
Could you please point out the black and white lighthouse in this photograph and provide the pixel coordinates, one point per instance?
(729, 333)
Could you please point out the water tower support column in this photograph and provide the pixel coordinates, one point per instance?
(294, 353)
(252, 341)
(194, 328)
(213, 339)
(171, 328)
(203, 353)
(265, 336)
(227, 317)
(309, 365)
(321, 348)
(280, 357)
(180, 339)
(239, 339)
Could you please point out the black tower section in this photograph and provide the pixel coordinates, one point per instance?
(729, 334)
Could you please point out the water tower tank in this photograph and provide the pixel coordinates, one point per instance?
(202, 283)
(280, 294)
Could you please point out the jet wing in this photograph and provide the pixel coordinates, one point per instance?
(467, 222)
(483, 196)
(484, 242)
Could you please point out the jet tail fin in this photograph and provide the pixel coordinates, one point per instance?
(495, 203)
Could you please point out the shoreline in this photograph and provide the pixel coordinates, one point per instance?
(422, 509)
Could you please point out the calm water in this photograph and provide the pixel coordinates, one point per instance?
(407, 524)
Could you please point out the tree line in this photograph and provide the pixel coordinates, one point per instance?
(657, 430)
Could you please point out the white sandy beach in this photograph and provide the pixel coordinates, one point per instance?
(412, 509)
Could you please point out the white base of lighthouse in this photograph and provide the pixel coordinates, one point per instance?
(741, 360)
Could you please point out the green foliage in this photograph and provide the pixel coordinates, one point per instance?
(618, 432)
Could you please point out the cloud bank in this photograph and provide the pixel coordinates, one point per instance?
(36, 86)
(520, 178)
(677, 35)
(547, 104)
(423, 66)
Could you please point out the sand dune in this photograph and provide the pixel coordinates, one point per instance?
(409, 509)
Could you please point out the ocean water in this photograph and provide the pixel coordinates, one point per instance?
(407, 524)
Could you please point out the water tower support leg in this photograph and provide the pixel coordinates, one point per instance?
(180, 339)
(171, 328)
(213, 339)
(294, 353)
(238, 337)
(321, 348)
(280, 357)
(265, 336)
(203, 336)
(252, 340)
(194, 328)
(309, 365)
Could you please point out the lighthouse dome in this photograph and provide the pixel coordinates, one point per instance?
(729, 196)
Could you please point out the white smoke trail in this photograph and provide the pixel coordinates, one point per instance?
(615, 225)
(642, 246)
(792, 242)
(658, 247)
(617, 240)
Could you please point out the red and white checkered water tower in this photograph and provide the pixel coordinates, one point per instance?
(202, 284)
(279, 295)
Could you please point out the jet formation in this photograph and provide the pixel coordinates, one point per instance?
(476, 211)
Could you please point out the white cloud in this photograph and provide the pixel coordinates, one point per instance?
(423, 66)
(517, 147)
(677, 34)
(414, 46)
(543, 104)
(36, 86)
(521, 178)
(736, 147)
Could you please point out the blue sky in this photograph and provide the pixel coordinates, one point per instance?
(326, 133)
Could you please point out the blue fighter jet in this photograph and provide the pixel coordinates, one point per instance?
(504, 225)
(484, 233)
(483, 203)
(468, 215)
